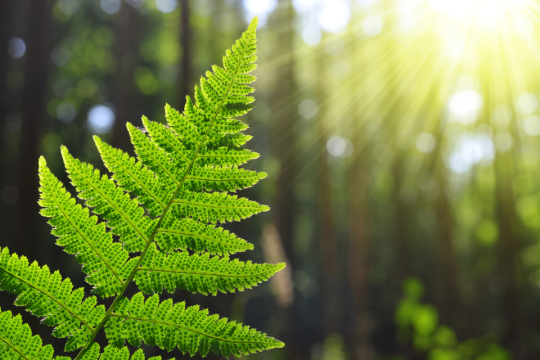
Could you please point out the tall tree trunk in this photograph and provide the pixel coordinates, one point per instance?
(5, 17)
(284, 147)
(35, 67)
(326, 219)
(129, 21)
(185, 42)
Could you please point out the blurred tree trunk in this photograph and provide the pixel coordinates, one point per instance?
(33, 98)
(185, 42)
(358, 256)
(327, 236)
(5, 24)
(284, 147)
(126, 40)
(508, 247)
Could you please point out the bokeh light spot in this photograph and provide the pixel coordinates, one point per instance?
(101, 119)
(60, 56)
(311, 35)
(526, 103)
(333, 16)
(372, 25)
(531, 125)
(166, 6)
(66, 112)
(425, 142)
(307, 109)
(110, 6)
(339, 147)
(16, 47)
(68, 7)
(501, 116)
(465, 105)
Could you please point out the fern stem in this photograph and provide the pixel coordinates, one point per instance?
(14, 348)
(156, 229)
(49, 296)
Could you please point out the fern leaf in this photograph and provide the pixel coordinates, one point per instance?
(224, 156)
(17, 342)
(125, 217)
(105, 262)
(134, 177)
(214, 207)
(46, 294)
(190, 234)
(222, 179)
(182, 126)
(199, 274)
(169, 171)
(113, 353)
(169, 325)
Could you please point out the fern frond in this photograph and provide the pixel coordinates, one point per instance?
(134, 177)
(105, 262)
(170, 171)
(113, 353)
(46, 294)
(214, 207)
(125, 217)
(199, 274)
(17, 342)
(169, 325)
(222, 179)
(187, 233)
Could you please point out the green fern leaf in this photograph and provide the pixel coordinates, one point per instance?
(46, 294)
(214, 207)
(125, 217)
(160, 204)
(199, 274)
(134, 177)
(17, 342)
(113, 353)
(167, 325)
(187, 233)
(105, 262)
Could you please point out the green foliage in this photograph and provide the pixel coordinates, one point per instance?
(421, 323)
(167, 201)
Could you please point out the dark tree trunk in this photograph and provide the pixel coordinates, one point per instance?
(129, 21)
(36, 60)
(185, 42)
(327, 236)
(284, 147)
(5, 17)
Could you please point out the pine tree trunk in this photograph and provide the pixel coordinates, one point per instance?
(185, 42)
(36, 61)
(129, 21)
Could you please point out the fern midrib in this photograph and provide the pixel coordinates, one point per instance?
(49, 296)
(197, 235)
(230, 179)
(14, 348)
(124, 216)
(152, 236)
(58, 204)
(216, 206)
(189, 329)
(204, 273)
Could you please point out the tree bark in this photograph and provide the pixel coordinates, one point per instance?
(129, 21)
(35, 67)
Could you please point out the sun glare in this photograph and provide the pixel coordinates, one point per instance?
(482, 14)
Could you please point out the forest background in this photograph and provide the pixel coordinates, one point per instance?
(400, 138)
